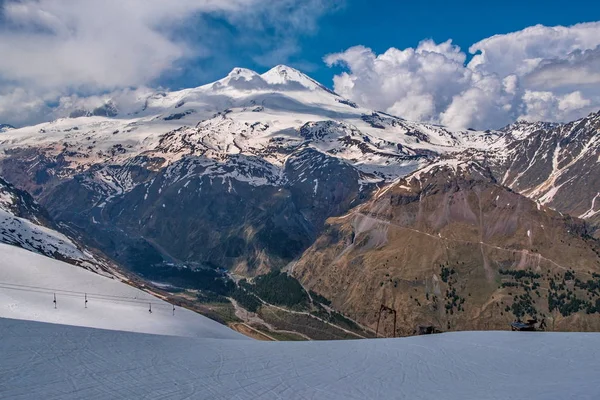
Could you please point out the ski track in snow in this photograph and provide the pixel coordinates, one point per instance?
(62, 362)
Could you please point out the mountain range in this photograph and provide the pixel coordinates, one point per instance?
(254, 173)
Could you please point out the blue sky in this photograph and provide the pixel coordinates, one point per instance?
(401, 24)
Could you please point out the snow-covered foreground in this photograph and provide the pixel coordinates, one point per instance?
(189, 356)
(29, 281)
(65, 362)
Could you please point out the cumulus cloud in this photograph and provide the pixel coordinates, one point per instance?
(549, 73)
(56, 48)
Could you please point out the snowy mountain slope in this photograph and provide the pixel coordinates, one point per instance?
(61, 362)
(278, 151)
(279, 102)
(556, 164)
(249, 132)
(25, 224)
(28, 283)
(198, 210)
(244, 113)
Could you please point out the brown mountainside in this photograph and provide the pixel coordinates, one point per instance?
(450, 247)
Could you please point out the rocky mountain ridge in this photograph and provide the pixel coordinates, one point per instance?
(556, 164)
(24, 223)
(291, 150)
(254, 172)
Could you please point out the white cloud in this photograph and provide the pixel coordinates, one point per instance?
(415, 83)
(521, 52)
(55, 48)
(94, 44)
(579, 68)
(18, 106)
(548, 106)
(550, 73)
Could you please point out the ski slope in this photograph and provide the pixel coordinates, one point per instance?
(63, 362)
(29, 281)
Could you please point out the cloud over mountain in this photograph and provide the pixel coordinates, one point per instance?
(548, 73)
(58, 56)
(55, 48)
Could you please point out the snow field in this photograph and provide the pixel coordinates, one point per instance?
(64, 362)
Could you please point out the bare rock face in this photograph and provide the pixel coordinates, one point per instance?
(108, 109)
(22, 205)
(6, 128)
(240, 213)
(450, 247)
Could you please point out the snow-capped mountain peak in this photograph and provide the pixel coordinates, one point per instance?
(278, 79)
(239, 78)
(521, 129)
(284, 75)
(239, 72)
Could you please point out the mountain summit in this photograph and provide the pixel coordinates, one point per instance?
(278, 79)
(284, 75)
